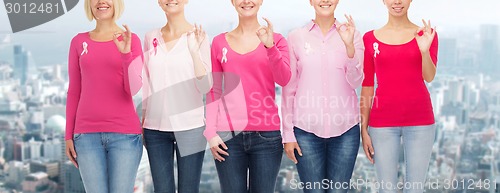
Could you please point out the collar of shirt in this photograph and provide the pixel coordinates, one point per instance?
(312, 25)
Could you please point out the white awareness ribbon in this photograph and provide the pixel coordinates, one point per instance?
(375, 49)
(224, 55)
(85, 50)
(307, 46)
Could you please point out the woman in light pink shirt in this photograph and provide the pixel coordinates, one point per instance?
(319, 104)
(177, 75)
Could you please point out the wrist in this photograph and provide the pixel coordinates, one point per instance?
(269, 45)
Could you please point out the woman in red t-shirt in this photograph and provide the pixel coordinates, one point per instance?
(401, 55)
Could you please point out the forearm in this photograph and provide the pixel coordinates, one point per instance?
(365, 106)
(428, 67)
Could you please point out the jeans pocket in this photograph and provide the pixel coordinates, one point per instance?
(77, 136)
(225, 135)
(269, 135)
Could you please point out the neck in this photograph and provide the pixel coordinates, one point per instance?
(247, 26)
(398, 22)
(325, 23)
(177, 24)
(106, 26)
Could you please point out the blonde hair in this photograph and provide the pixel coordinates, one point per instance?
(118, 6)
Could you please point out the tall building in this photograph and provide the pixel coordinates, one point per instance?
(52, 149)
(448, 53)
(73, 182)
(35, 148)
(20, 64)
(51, 168)
(17, 171)
(489, 48)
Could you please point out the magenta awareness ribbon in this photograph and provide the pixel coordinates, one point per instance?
(155, 44)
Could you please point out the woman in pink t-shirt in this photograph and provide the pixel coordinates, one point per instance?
(402, 56)
(243, 126)
(103, 131)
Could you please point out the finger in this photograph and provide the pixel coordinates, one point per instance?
(221, 151)
(224, 145)
(128, 33)
(299, 151)
(261, 31)
(115, 39)
(291, 155)
(269, 24)
(418, 31)
(367, 153)
(352, 21)
(429, 24)
(217, 156)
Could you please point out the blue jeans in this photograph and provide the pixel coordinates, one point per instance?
(189, 147)
(417, 146)
(254, 159)
(108, 162)
(327, 159)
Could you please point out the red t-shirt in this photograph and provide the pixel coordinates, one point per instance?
(401, 96)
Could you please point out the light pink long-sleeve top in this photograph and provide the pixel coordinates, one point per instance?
(320, 97)
(102, 82)
(172, 94)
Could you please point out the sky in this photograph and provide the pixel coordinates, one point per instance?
(218, 16)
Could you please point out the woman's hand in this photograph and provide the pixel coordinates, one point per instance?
(70, 152)
(215, 146)
(424, 41)
(266, 34)
(123, 46)
(290, 151)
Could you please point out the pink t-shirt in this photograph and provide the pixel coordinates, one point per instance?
(243, 93)
(401, 96)
(102, 82)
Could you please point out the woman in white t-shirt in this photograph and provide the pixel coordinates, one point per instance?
(177, 75)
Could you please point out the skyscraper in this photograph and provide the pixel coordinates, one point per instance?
(489, 61)
(447, 52)
(20, 64)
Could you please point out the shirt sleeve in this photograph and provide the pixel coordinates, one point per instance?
(354, 70)
(146, 89)
(288, 95)
(434, 49)
(132, 67)
(214, 95)
(279, 60)
(368, 64)
(74, 89)
(205, 83)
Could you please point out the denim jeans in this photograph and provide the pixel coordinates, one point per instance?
(108, 162)
(417, 146)
(189, 147)
(254, 159)
(329, 160)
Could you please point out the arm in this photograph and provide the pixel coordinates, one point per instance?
(279, 60)
(354, 71)
(288, 97)
(367, 93)
(146, 89)
(74, 89)
(132, 63)
(213, 97)
(203, 67)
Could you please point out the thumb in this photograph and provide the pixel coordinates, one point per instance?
(299, 151)
(73, 152)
